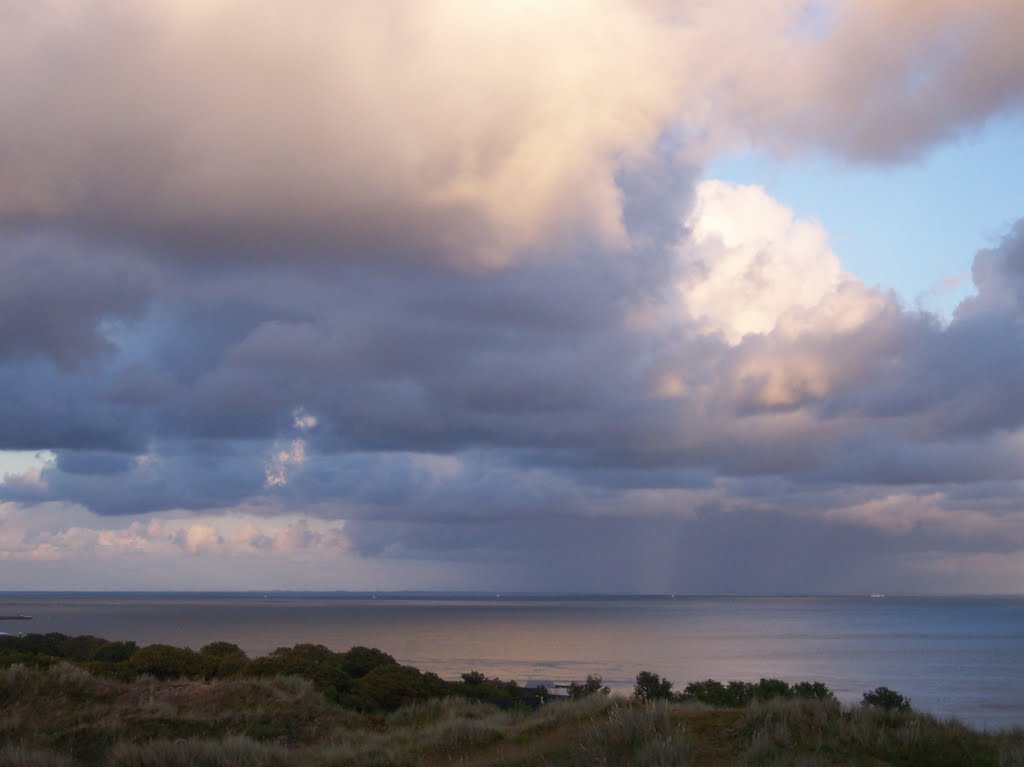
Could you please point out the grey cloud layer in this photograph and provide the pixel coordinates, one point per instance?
(53, 298)
(540, 361)
(452, 407)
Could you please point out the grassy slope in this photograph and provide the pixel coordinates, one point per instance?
(64, 716)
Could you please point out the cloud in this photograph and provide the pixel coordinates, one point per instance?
(866, 79)
(279, 465)
(55, 301)
(55, 533)
(998, 274)
(433, 284)
(430, 419)
(198, 537)
(416, 128)
(432, 131)
(750, 267)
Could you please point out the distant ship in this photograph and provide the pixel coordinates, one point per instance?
(876, 595)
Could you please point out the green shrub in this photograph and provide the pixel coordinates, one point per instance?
(883, 697)
(386, 688)
(115, 652)
(709, 691)
(10, 658)
(738, 694)
(769, 689)
(166, 662)
(321, 666)
(731, 695)
(123, 671)
(476, 686)
(220, 660)
(812, 691)
(650, 686)
(34, 644)
(360, 661)
(591, 686)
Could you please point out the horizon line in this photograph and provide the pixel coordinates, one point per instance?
(495, 594)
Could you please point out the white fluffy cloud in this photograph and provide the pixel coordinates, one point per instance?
(751, 267)
(60, 532)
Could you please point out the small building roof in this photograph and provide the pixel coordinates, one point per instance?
(533, 684)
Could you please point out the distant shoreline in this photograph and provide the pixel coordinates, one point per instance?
(399, 594)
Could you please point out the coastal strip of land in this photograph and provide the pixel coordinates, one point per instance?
(70, 701)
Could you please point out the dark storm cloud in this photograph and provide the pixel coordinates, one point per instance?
(999, 274)
(531, 378)
(959, 381)
(56, 293)
(92, 462)
(44, 407)
(193, 477)
(715, 552)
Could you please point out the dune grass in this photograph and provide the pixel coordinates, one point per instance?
(63, 716)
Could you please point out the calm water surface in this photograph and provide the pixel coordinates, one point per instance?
(952, 656)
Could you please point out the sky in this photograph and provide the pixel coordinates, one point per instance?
(639, 296)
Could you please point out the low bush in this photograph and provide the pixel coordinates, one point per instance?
(812, 691)
(359, 661)
(221, 660)
(389, 687)
(592, 685)
(323, 667)
(650, 686)
(737, 694)
(166, 662)
(883, 697)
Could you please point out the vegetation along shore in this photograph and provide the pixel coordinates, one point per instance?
(88, 701)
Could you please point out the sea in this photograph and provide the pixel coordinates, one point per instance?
(959, 657)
